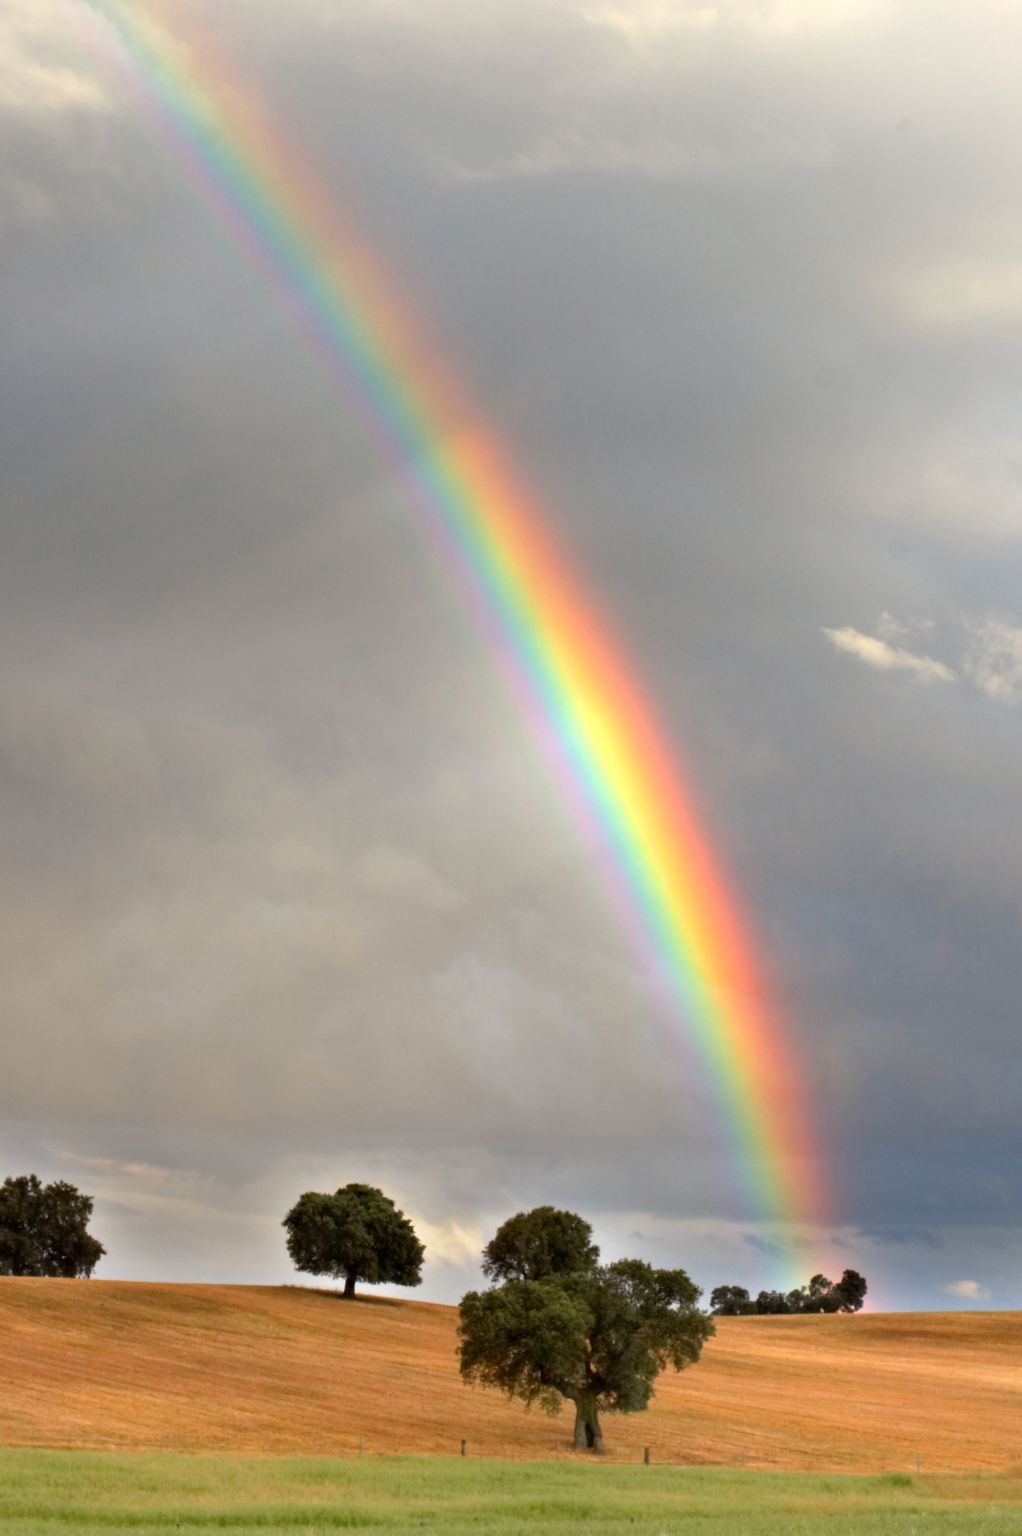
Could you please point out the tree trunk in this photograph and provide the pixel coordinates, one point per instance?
(349, 1287)
(588, 1434)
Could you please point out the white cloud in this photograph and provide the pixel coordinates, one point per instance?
(883, 657)
(450, 1242)
(967, 1290)
(116, 1167)
(46, 81)
(642, 21)
(993, 660)
(40, 74)
(962, 296)
(892, 629)
(654, 19)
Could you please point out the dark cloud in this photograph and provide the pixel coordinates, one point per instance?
(288, 893)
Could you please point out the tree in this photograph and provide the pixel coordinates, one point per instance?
(538, 1243)
(358, 1233)
(773, 1303)
(851, 1291)
(823, 1295)
(597, 1335)
(820, 1295)
(44, 1229)
(731, 1301)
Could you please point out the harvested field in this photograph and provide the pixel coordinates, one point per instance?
(282, 1369)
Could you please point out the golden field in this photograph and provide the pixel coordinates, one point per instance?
(286, 1369)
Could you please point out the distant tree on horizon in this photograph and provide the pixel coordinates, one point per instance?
(851, 1289)
(357, 1234)
(731, 1301)
(820, 1295)
(561, 1326)
(44, 1229)
(775, 1303)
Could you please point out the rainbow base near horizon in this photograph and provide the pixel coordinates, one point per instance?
(571, 672)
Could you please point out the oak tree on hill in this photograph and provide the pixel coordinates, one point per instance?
(538, 1243)
(595, 1335)
(357, 1233)
(44, 1229)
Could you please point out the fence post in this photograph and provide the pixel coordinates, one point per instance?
(464, 1445)
(645, 1455)
(360, 1445)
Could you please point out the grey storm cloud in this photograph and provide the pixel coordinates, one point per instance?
(288, 894)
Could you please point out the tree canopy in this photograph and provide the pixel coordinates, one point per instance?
(538, 1243)
(731, 1301)
(357, 1233)
(44, 1229)
(820, 1295)
(595, 1335)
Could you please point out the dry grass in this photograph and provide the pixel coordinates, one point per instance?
(251, 1368)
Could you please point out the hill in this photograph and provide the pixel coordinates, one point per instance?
(285, 1369)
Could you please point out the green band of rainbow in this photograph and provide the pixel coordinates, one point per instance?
(572, 669)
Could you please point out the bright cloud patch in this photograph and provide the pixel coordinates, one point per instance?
(451, 1242)
(965, 296)
(993, 660)
(39, 73)
(892, 629)
(967, 1290)
(655, 19)
(884, 657)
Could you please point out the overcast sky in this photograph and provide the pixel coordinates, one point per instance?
(287, 895)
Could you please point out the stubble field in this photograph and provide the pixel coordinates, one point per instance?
(282, 1370)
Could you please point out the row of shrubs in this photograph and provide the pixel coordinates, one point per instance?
(820, 1295)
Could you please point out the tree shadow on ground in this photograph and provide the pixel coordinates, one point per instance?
(358, 1300)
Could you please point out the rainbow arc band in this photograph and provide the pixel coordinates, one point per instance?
(571, 673)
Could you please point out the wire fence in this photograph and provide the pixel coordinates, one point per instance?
(615, 1454)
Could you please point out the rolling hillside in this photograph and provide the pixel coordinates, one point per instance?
(275, 1369)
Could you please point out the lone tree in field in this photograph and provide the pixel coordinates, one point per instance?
(563, 1326)
(357, 1233)
(44, 1229)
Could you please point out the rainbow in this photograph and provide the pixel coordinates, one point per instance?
(569, 668)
